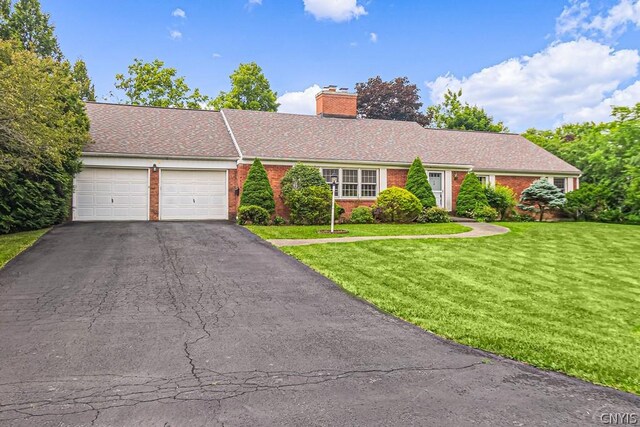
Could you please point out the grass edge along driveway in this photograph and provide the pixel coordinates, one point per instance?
(13, 244)
(559, 296)
(355, 230)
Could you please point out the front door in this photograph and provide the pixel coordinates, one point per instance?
(435, 180)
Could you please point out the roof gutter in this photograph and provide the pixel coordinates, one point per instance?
(154, 156)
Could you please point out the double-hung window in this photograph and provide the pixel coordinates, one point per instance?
(353, 183)
(560, 183)
(484, 180)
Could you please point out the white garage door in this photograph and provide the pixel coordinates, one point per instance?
(111, 194)
(193, 195)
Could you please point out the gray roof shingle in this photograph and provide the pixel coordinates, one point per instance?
(126, 129)
(291, 136)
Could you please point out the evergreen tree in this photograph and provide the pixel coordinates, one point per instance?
(471, 195)
(81, 77)
(28, 25)
(418, 184)
(250, 90)
(256, 190)
(541, 196)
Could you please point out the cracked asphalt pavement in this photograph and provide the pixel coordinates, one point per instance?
(202, 323)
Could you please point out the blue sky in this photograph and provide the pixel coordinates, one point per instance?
(529, 63)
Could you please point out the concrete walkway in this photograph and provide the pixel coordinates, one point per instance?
(478, 229)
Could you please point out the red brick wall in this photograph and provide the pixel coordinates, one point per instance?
(349, 205)
(154, 195)
(517, 183)
(397, 177)
(337, 104)
(232, 184)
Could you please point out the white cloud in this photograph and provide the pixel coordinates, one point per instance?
(252, 3)
(216, 56)
(373, 37)
(179, 13)
(547, 88)
(626, 97)
(335, 10)
(577, 19)
(353, 44)
(175, 34)
(303, 102)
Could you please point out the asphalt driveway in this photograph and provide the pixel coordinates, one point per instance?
(186, 323)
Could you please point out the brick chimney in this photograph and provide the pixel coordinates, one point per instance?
(334, 102)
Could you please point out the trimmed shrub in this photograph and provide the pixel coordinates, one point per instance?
(256, 190)
(611, 215)
(418, 184)
(299, 177)
(361, 215)
(586, 202)
(278, 220)
(310, 205)
(502, 198)
(484, 213)
(434, 214)
(541, 196)
(471, 195)
(252, 214)
(397, 205)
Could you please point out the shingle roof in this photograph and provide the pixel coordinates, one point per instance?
(126, 129)
(291, 136)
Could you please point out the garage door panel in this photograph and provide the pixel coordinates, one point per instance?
(193, 195)
(111, 194)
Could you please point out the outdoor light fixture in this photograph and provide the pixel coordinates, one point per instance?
(455, 176)
(155, 168)
(334, 185)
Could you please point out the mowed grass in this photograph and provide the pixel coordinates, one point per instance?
(311, 231)
(12, 244)
(560, 296)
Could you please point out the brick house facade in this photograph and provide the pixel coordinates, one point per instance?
(149, 163)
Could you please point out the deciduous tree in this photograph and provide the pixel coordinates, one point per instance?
(27, 24)
(397, 99)
(81, 77)
(453, 114)
(250, 90)
(151, 83)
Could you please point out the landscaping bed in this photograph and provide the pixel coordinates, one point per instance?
(313, 231)
(560, 296)
(12, 244)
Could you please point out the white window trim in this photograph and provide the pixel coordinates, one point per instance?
(339, 196)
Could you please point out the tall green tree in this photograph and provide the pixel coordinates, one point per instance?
(81, 77)
(28, 25)
(418, 184)
(453, 114)
(397, 99)
(256, 190)
(606, 153)
(250, 90)
(43, 127)
(153, 84)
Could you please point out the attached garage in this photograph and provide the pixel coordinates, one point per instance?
(105, 194)
(193, 194)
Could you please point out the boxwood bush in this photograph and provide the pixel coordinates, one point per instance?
(310, 205)
(484, 213)
(253, 215)
(433, 214)
(397, 205)
(361, 215)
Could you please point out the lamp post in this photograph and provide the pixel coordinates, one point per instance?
(334, 185)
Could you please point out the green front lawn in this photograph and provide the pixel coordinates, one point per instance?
(12, 244)
(311, 231)
(561, 296)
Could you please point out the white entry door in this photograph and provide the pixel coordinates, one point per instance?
(435, 180)
(111, 195)
(193, 194)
